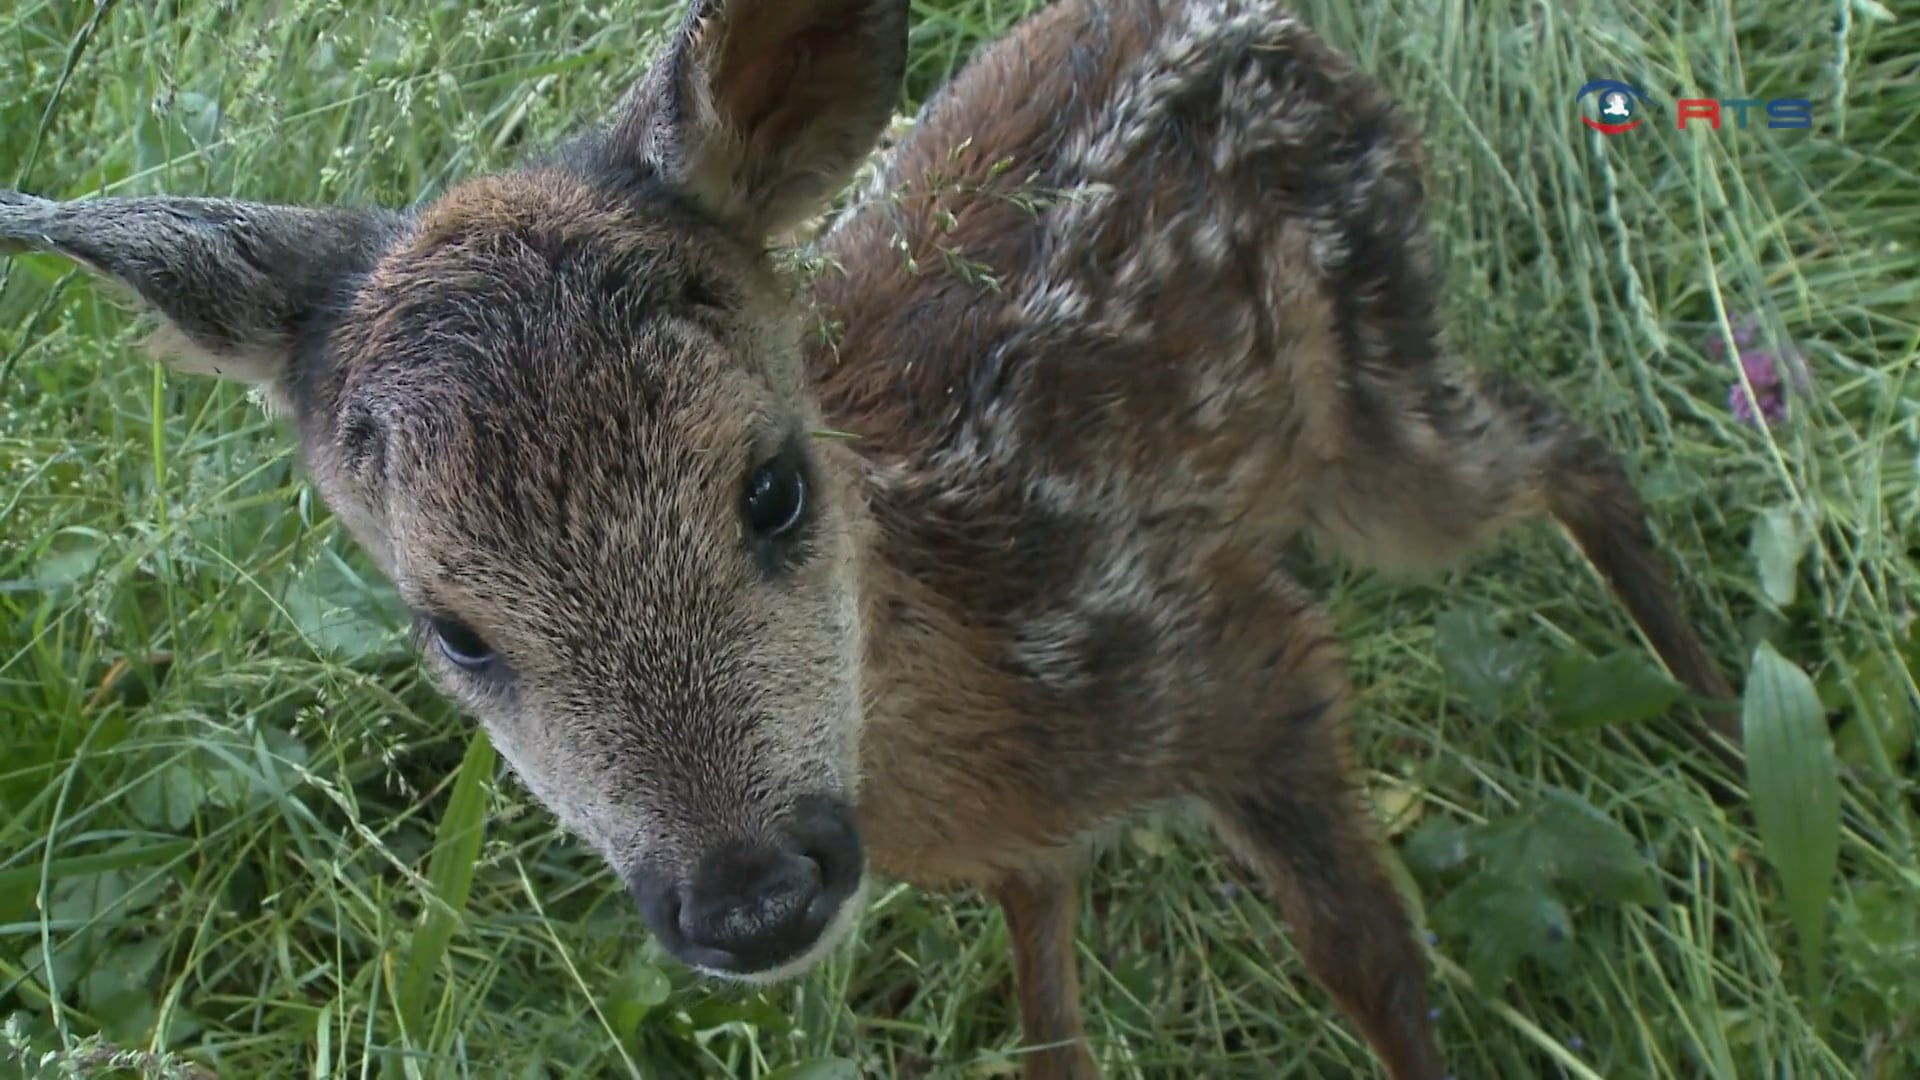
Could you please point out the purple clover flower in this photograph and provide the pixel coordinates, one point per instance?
(1771, 373)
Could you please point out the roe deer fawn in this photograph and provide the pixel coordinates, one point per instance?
(1145, 295)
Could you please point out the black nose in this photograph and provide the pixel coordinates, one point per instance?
(752, 906)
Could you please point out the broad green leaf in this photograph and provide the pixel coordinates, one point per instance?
(1884, 712)
(1879, 937)
(649, 985)
(57, 971)
(1779, 542)
(167, 797)
(199, 116)
(1624, 688)
(642, 988)
(332, 627)
(1507, 920)
(119, 987)
(1795, 783)
(1853, 742)
(283, 750)
(339, 611)
(110, 896)
(1489, 668)
(1565, 841)
(68, 557)
(1593, 853)
(1436, 847)
(756, 1012)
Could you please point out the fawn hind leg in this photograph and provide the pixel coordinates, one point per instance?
(1458, 458)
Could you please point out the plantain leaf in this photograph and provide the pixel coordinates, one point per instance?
(1795, 782)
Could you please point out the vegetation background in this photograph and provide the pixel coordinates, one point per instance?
(238, 832)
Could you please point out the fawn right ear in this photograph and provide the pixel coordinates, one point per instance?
(760, 109)
(240, 286)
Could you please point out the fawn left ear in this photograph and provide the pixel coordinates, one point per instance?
(241, 287)
(761, 109)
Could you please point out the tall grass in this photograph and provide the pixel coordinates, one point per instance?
(237, 831)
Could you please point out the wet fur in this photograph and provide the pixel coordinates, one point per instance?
(1173, 307)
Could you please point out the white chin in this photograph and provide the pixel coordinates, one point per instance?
(829, 939)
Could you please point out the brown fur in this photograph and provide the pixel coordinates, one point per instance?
(1144, 296)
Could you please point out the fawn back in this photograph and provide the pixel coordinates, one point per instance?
(1144, 296)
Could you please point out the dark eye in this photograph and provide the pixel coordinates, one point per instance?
(776, 496)
(460, 645)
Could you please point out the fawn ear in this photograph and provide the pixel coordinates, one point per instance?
(761, 109)
(240, 287)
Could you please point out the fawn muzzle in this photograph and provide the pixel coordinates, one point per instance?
(751, 907)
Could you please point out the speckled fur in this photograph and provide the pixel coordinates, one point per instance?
(1142, 297)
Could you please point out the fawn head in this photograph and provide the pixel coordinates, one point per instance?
(564, 410)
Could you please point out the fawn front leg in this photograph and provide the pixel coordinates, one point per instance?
(1347, 919)
(1041, 912)
(1302, 824)
(1271, 759)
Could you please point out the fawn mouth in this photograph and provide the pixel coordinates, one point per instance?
(839, 925)
(764, 910)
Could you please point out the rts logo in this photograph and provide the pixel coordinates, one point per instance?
(1622, 107)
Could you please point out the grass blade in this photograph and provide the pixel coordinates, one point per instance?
(75, 866)
(456, 852)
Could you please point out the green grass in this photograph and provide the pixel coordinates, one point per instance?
(232, 813)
